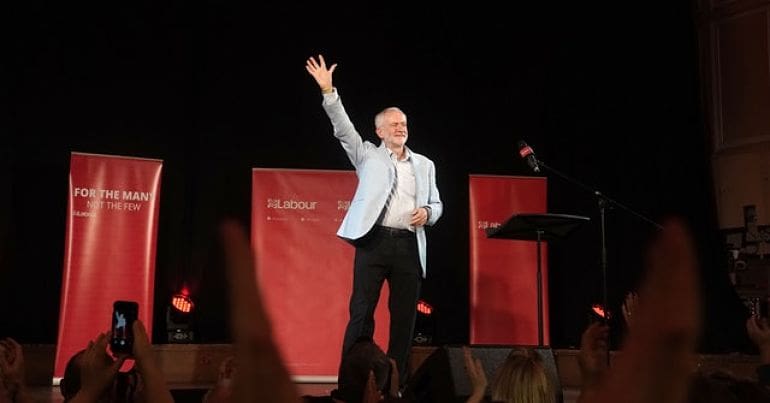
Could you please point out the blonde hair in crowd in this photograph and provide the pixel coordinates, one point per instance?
(522, 379)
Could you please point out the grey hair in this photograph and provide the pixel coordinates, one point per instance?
(378, 119)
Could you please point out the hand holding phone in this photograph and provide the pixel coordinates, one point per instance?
(124, 313)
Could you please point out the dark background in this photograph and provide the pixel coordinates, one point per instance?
(608, 94)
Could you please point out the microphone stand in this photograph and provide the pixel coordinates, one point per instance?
(603, 202)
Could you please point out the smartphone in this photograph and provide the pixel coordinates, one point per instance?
(124, 313)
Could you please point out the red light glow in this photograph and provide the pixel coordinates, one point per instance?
(599, 310)
(182, 303)
(424, 308)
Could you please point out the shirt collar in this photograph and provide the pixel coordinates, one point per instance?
(392, 156)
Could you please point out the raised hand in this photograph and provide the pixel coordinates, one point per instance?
(593, 353)
(321, 74)
(12, 382)
(142, 347)
(222, 392)
(476, 375)
(11, 361)
(262, 376)
(154, 381)
(97, 370)
(629, 306)
(394, 379)
(659, 354)
(371, 394)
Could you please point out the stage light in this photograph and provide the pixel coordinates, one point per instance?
(179, 318)
(182, 303)
(424, 325)
(424, 308)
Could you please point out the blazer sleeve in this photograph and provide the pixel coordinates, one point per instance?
(344, 130)
(434, 199)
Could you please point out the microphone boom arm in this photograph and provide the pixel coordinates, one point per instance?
(603, 202)
(601, 196)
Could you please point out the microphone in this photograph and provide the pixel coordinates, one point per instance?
(527, 153)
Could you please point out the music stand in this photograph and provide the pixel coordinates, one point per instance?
(537, 227)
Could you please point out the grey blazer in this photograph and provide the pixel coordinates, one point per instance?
(376, 177)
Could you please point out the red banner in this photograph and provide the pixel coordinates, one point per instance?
(304, 270)
(503, 272)
(109, 250)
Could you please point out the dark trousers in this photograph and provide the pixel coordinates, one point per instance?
(386, 254)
